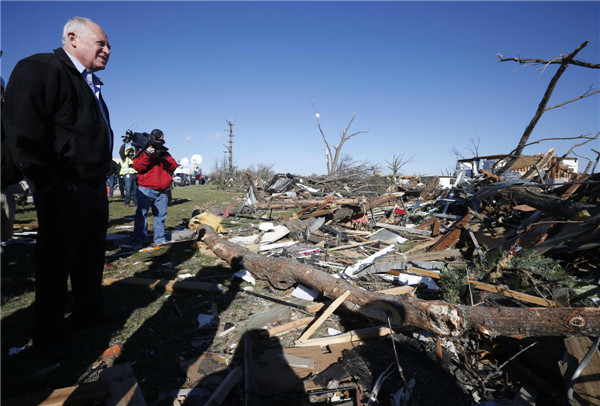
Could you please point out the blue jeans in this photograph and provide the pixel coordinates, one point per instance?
(111, 185)
(130, 188)
(157, 201)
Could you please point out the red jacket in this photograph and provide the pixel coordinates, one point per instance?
(154, 172)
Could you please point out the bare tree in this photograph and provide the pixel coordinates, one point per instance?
(229, 148)
(457, 154)
(473, 148)
(564, 62)
(398, 161)
(333, 158)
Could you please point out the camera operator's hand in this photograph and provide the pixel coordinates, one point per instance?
(150, 150)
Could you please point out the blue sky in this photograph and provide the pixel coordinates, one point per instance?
(422, 77)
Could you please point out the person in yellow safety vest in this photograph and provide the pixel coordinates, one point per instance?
(128, 173)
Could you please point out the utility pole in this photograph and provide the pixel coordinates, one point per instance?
(229, 148)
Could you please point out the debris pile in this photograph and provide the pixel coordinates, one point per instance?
(477, 290)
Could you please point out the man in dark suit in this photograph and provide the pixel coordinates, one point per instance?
(58, 132)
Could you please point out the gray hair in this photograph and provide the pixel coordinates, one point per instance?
(75, 24)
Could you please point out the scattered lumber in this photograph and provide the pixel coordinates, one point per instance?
(350, 336)
(438, 317)
(330, 309)
(485, 286)
(451, 237)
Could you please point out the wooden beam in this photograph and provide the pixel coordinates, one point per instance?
(425, 244)
(289, 326)
(451, 237)
(587, 386)
(332, 307)
(354, 335)
(487, 287)
(406, 230)
(398, 290)
(539, 165)
(169, 285)
(491, 175)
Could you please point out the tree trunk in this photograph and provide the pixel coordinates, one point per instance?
(551, 205)
(541, 108)
(438, 317)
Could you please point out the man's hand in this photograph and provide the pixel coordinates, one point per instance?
(150, 150)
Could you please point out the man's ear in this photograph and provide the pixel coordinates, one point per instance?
(71, 36)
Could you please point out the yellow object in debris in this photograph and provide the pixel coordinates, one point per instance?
(207, 219)
(582, 215)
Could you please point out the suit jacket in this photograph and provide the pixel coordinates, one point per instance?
(54, 126)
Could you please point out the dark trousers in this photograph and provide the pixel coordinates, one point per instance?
(71, 239)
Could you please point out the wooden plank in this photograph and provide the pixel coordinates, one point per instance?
(225, 387)
(587, 386)
(123, 389)
(398, 290)
(571, 189)
(487, 287)
(275, 376)
(344, 247)
(406, 230)
(289, 326)
(514, 294)
(79, 395)
(332, 307)
(491, 175)
(435, 228)
(452, 236)
(539, 165)
(425, 244)
(475, 243)
(354, 335)
(169, 285)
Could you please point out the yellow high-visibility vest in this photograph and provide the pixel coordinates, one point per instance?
(127, 167)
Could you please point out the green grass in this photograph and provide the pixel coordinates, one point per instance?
(153, 320)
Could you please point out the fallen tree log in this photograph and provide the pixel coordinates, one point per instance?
(438, 317)
(552, 205)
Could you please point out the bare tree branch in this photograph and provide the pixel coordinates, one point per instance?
(583, 96)
(587, 139)
(328, 152)
(541, 108)
(398, 161)
(537, 61)
(583, 136)
(332, 159)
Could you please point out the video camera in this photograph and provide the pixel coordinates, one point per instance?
(141, 141)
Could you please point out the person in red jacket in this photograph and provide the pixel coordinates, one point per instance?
(155, 167)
